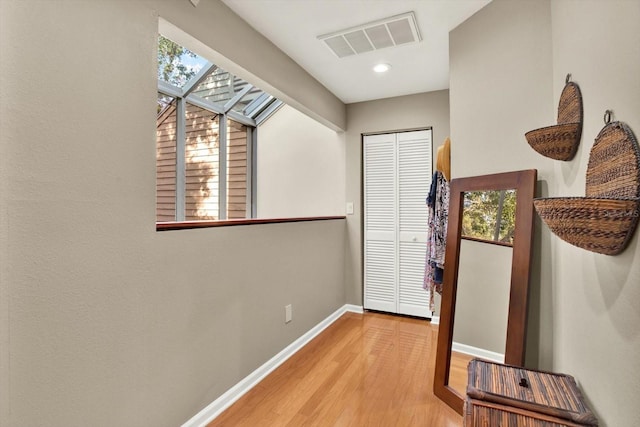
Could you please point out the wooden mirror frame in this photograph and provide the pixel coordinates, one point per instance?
(524, 182)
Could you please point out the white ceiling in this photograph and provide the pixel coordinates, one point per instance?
(294, 26)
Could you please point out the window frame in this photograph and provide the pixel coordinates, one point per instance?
(258, 109)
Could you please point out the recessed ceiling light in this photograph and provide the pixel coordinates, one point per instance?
(381, 68)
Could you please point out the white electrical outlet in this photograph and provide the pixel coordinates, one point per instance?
(288, 313)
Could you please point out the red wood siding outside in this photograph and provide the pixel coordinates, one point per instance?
(202, 157)
(202, 166)
(237, 170)
(166, 165)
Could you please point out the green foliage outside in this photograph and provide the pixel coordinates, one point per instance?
(170, 66)
(480, 219)
(171, 69)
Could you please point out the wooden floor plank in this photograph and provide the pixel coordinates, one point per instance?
(368, 369)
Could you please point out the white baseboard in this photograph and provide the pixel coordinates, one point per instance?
(351, 308)
(216, 407)
(435, 320)
(477, 352)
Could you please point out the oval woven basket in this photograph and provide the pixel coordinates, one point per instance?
(604, 226)
(604, 221)
(560, 141)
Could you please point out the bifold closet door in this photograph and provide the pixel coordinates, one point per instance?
(380, 223)
(397, 176)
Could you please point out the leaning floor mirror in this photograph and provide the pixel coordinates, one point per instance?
(485, 288)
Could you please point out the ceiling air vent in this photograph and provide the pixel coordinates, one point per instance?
(394, 31)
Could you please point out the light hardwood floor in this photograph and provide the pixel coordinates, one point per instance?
(367, 369)
(458, 371)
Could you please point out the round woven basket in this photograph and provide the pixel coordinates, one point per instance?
(560, 142)
(604, 226)
(604, 221)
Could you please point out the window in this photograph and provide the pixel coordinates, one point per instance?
(206, 129)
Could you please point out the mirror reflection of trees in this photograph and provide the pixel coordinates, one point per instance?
(489, 215)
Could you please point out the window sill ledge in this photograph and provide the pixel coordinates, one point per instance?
(186, 225)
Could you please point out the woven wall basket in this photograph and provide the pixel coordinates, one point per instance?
(560, 142)
(604, 221)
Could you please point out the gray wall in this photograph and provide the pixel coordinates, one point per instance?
(300, 167)
(508, 65)
(482, 300)
(103, 320)
(390, 114)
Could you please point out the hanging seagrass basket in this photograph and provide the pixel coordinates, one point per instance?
(604, 221)
(560, 141)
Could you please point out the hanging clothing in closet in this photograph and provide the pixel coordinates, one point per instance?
(438, 215)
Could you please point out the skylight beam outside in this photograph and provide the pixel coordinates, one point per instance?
(233, 101)
(177, 93)
(249, 175)
(222, 166)
(272, 108)
(250, 107)
(195, 81)
(181, 164)
(234, 115)
(169, 89)
(204, 103)
(253, 146)
(254, 105)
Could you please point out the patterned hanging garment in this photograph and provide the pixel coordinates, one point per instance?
(438, 214)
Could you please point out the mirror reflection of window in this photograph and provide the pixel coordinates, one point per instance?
(489, 216)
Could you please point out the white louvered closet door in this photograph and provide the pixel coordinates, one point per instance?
(380, 218)
(414, 180)
(397, 176)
